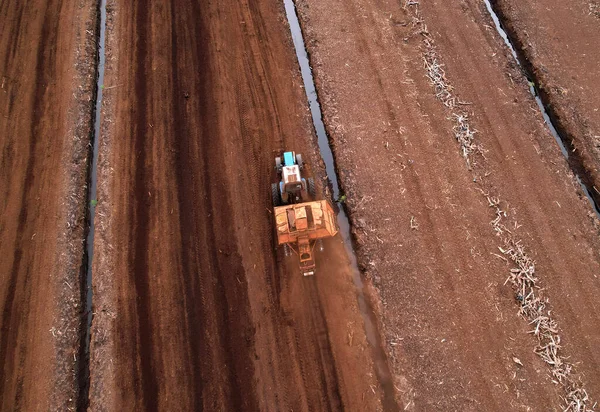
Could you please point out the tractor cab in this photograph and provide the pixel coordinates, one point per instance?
(292, 188)
(291, 184)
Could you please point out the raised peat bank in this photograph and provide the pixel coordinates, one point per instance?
(368, 314)
(86, 282)
(534, 306)
(421, 225)
(192, 307)
(566, 144)
(48, 50)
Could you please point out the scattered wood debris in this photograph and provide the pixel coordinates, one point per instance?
(463, 132)
(533, 307)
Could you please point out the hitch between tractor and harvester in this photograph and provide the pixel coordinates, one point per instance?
(301, 221)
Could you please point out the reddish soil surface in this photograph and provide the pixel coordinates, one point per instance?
(193, 307)
(421, 222)
(559, 41)
(46, 76)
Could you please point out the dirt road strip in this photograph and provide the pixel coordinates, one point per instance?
(193, 308)
(421, 221)
(559, 41)
(47, 63)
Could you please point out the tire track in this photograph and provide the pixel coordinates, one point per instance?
(12, 313)
(139, 209)
(14, 35)
(191, 294)
(329, 376)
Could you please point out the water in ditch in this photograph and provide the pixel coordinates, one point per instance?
(535, 93)
(92, 177)
(381, 365)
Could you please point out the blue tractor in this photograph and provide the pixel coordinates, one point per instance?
(292, 187)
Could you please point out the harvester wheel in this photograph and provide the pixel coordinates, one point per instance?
(299, 161)
(275, 194)
(312, 190)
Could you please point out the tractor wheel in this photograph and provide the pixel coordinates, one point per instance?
(319, 246)
(312, 190)
(278, 164)
(275, 194)
(299, 161)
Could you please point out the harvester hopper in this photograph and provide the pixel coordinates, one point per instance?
(301, 225)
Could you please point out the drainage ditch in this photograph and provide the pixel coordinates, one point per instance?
(381, 366)
(86, 281)
(565, 143)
